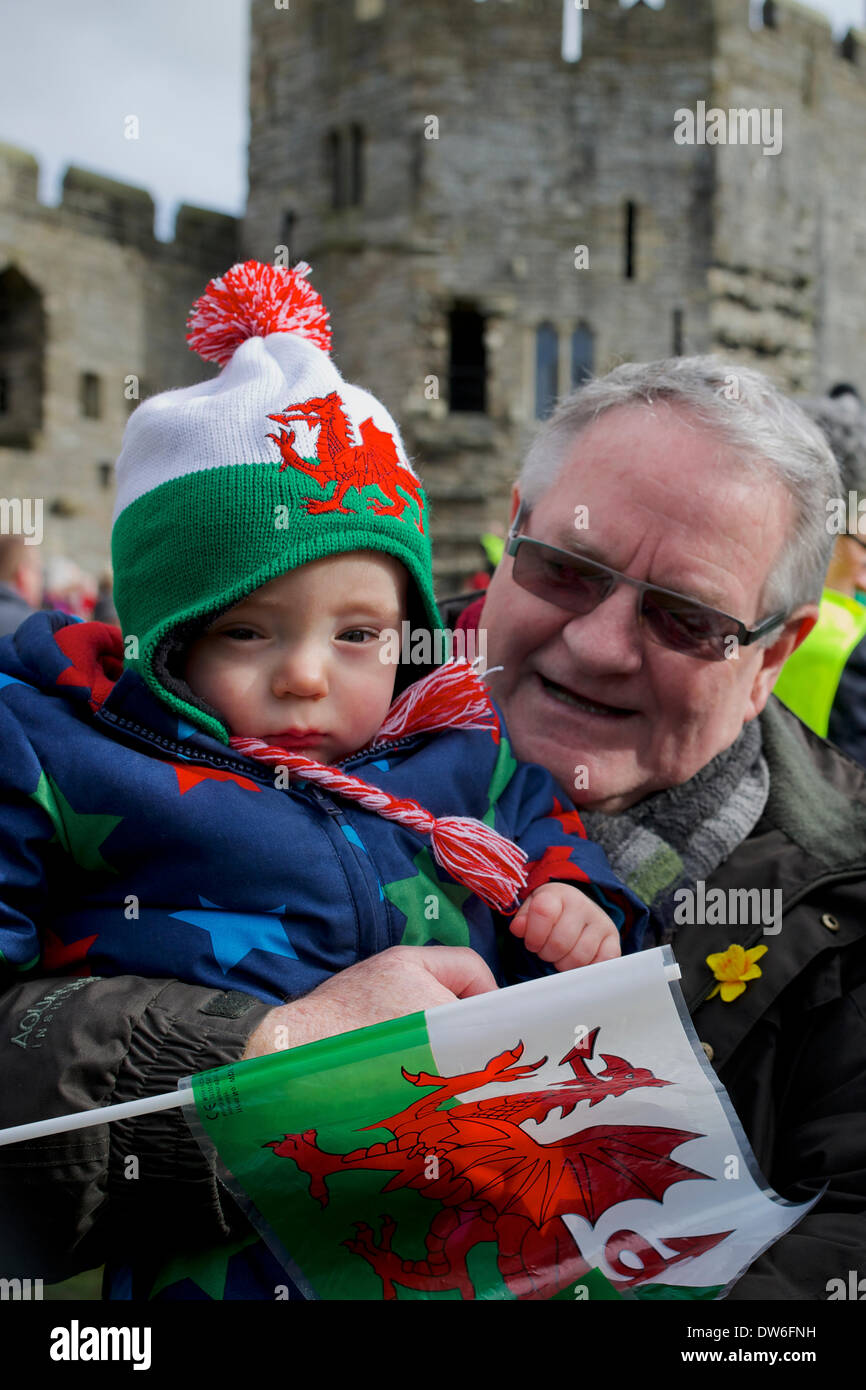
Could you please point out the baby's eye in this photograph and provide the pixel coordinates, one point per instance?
(358, 635)
(241, 633)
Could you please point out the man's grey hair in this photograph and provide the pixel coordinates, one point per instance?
(771, 434)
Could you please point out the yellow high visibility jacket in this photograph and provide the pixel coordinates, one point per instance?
(810, 677)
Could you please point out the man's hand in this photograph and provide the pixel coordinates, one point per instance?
(401, 980)
(558, 923)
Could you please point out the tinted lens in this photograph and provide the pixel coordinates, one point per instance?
(576, 584)
(687, 627)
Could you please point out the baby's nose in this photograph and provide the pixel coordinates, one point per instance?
(301, 671)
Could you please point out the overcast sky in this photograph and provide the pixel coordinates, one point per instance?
(72, 71)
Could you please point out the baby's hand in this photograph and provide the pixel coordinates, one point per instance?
(562, 925)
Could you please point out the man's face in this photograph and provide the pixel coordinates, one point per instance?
(666, 503)
(297, 662)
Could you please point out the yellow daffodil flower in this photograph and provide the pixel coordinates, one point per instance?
(733, 968)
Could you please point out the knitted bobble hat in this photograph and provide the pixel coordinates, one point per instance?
(276, 462)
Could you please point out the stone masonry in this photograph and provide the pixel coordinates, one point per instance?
(757, 257)
(112, 302)
(443, 156)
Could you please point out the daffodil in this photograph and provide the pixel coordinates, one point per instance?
(732, 968)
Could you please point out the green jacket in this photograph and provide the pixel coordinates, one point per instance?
(791, 1050)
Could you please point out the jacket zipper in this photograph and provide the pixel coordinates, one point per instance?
(247, 766)
(363, 860)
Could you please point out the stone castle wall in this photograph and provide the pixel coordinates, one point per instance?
(114, 302)
(759, 258)
(756, 257)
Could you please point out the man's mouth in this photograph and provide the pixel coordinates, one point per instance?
(569, 697)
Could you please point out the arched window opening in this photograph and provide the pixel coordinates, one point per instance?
(467, 360)
(582, 355)
(630, 266)
(22, 352)
(334, 168)
(356, 165)
(546, 370)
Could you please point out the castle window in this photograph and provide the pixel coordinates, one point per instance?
(546, 370)
(22, 349)
(582, 355)
(677, 333)
(104, 472)
(630, 259)
(334, 168)
(769, 15)
(89, 394)
(356, 165)
(287, 230)
(848, 47)
(467, 360)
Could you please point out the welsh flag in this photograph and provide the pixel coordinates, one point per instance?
(564, 1138)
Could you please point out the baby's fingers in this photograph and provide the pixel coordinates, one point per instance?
(537, 922)
(596, 942)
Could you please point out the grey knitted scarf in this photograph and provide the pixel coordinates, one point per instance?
(677, 836)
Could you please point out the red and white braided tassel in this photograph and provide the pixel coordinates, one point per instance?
(477, 856)
(451, 697)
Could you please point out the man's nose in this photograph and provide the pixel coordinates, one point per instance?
(609, 638)
(301, 670)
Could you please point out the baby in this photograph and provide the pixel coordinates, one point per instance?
(299, 663)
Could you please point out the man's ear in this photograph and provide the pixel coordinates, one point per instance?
(795, 631)
(515, 503)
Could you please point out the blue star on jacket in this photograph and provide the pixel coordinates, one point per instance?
(234, 934)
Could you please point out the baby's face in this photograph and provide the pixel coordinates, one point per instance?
(297, 662)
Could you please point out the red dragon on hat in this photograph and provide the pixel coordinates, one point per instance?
(372, 463)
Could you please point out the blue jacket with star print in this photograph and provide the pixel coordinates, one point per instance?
(133, 843)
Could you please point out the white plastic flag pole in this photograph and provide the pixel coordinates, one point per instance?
(102, 1115)
(39, 1129)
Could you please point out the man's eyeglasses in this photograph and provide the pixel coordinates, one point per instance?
(578, 584)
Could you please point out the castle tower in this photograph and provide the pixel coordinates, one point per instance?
(441, 166)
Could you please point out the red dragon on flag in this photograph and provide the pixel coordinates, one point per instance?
(496, 1183)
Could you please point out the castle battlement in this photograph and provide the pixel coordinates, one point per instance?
(120, 212)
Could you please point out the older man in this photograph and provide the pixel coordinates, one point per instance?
(668, 546)
(667, 551)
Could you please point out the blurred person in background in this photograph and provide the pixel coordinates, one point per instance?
(21, 582)
(824, 680)
(104, 610)
(69, 587)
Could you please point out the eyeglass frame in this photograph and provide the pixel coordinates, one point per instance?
(745, 636)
